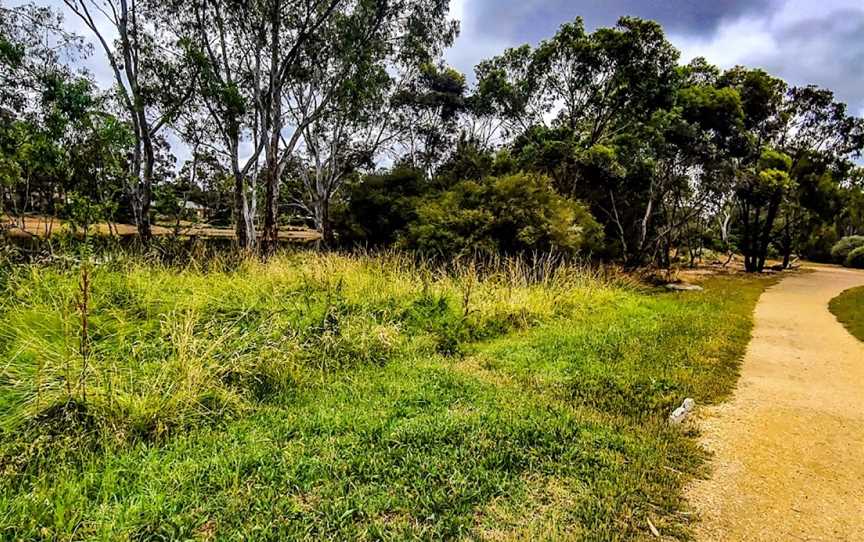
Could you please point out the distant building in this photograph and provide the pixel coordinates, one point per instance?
(192, 209)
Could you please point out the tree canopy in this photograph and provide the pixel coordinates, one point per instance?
(343, 117)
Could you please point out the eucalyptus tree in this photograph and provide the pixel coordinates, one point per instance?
(510, 88)
(808, 127)
(281, 76)
(597, 84)
(33, 46)
(823, 140)
(247, 53)
(375, 87)
(152, 82)
(226, 113)
(759, 169)
(42, 102)
(581, 106)
(850, 220)
(689, 182)
(341, 101)
(333, 148)
(428, 109)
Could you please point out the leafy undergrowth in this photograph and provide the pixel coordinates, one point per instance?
(334, 397)
(848, 307)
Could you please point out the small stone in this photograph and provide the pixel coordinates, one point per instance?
(680, 414)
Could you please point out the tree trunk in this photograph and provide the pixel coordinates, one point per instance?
(271, 209)
(644, 224)
(145, 232)
(787, 244)
(747, 234)
(325, 228)
(765, 235)
(272, 162)
(245, 235)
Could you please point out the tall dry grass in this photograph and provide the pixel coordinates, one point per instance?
(139, 348)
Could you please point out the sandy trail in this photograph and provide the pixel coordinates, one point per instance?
(789, 446)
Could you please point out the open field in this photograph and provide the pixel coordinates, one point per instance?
(848, 307)
(46, 226)
(354, 398)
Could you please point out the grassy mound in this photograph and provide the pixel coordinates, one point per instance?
(325, 396)
(848, 307)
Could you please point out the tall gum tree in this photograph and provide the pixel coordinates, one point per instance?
(823, 141)
(152, 82)
(338, 100)
(281, 75)
(580, 105)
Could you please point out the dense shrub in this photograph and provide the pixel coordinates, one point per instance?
(508, 214)
(844, 246)
(380, 206)
(855, 258)
(817, 247)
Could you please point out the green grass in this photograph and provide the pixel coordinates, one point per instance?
(355, 398)
(848, 307)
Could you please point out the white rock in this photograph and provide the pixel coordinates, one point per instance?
(680, 414)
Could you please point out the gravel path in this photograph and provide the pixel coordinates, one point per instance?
(789, 446)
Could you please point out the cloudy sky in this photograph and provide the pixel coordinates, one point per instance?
(803, 41)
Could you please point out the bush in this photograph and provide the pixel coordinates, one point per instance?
(818, 245)
(844, 246)
(509, 214)
(379, 207)
(855, 258)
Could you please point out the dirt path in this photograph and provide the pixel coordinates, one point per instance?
(789, 445)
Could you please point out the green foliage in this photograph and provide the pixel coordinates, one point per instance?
(840, 251)
(761, 97)
(718, 109)
(379, 207)
(855, 258)
(506, 215)
(818, 245)
(61, 152)
(470, 161)
(848, 307)
(774, 180)
(666, 158)
(82, 212)
(851, 200)
(506, 89)
(771, 159)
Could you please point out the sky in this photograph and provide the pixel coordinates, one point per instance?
(817, 42)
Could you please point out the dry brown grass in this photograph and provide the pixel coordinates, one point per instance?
(42, 226)
(540, 514)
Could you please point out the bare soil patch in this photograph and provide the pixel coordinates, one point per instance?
(46, 226)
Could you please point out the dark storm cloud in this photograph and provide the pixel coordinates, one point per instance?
(532, 20)
(827, 51)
